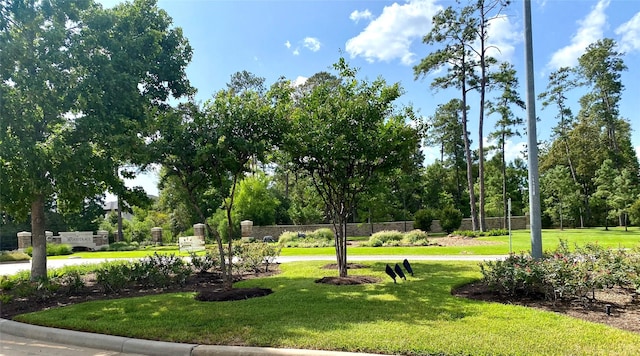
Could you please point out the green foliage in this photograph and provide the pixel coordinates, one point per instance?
(204, 263)
(113, 277)
(108, 68)
(565, 274)
(53, 250)
(634, 212)
(414, 236)
(450, 219)
(321, 234)
(329, 139)
(322, 237)
(397, 238)
(388, 235)
(10, 256)
(471, 233)
(221, 223)
(423, 218)
(156, 271)
(254, 201)
(497, 232)
(123, 246)
(287, 236)
(252, 257)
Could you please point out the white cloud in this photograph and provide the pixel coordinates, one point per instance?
(512, 150)
(638, 151)
(503, 36)
(590, 30)
(300, 80)
(356, 16)
(630, 32)
(390, 35)
(287, 44)
(431, 154)
(296, 52)
(312, 43)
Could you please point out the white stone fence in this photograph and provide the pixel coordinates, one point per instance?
(76, 239)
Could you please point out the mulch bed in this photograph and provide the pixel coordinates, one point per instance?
(625, 311)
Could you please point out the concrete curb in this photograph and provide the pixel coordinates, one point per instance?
(95, 341)
(149, 347)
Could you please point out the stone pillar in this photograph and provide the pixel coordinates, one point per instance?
(246, 228)
(156, 235)
(102, 238)
(198, 230)
(24, 240)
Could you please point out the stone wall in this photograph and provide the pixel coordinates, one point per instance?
(364, 229)
(84, 239)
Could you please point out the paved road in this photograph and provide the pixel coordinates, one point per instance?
(12, 268)
(18, 339)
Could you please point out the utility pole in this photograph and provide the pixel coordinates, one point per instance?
(534, 179)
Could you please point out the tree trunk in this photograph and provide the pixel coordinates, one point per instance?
(340, 228)
(228, 277)
(39, 239)
(504, 186)
(119, 236)
(467, 153)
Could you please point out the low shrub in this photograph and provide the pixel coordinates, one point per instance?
(319, 238)
(450, 219)
(413, 236)
(497, 232)
(321, 234)
(397, 238)
(287, 236)
(12, 256)
(123, 246)
(204, 263)
(423, 218)
(114, 276)
(467, 233)
(253, 256)
(388, 235)
(53, 250)
(565, 274)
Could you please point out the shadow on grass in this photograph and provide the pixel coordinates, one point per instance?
(299, 308)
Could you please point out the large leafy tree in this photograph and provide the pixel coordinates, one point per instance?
(77, 82)
(255, 201)
(346, 136)
(561, 193)
(208, 150)
(560, 82)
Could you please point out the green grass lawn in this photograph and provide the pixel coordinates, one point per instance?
(521, 242)
(416, 317)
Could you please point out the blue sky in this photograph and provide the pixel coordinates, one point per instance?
(296, 39)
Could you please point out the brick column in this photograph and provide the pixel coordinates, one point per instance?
(24, 240)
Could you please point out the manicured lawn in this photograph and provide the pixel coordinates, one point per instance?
(416, 317)
(166, 250)
(521, 241)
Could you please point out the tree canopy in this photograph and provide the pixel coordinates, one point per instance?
(78, 82)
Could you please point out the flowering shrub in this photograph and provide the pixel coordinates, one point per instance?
(565, 273)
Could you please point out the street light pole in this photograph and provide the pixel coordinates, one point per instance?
(534, 184)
